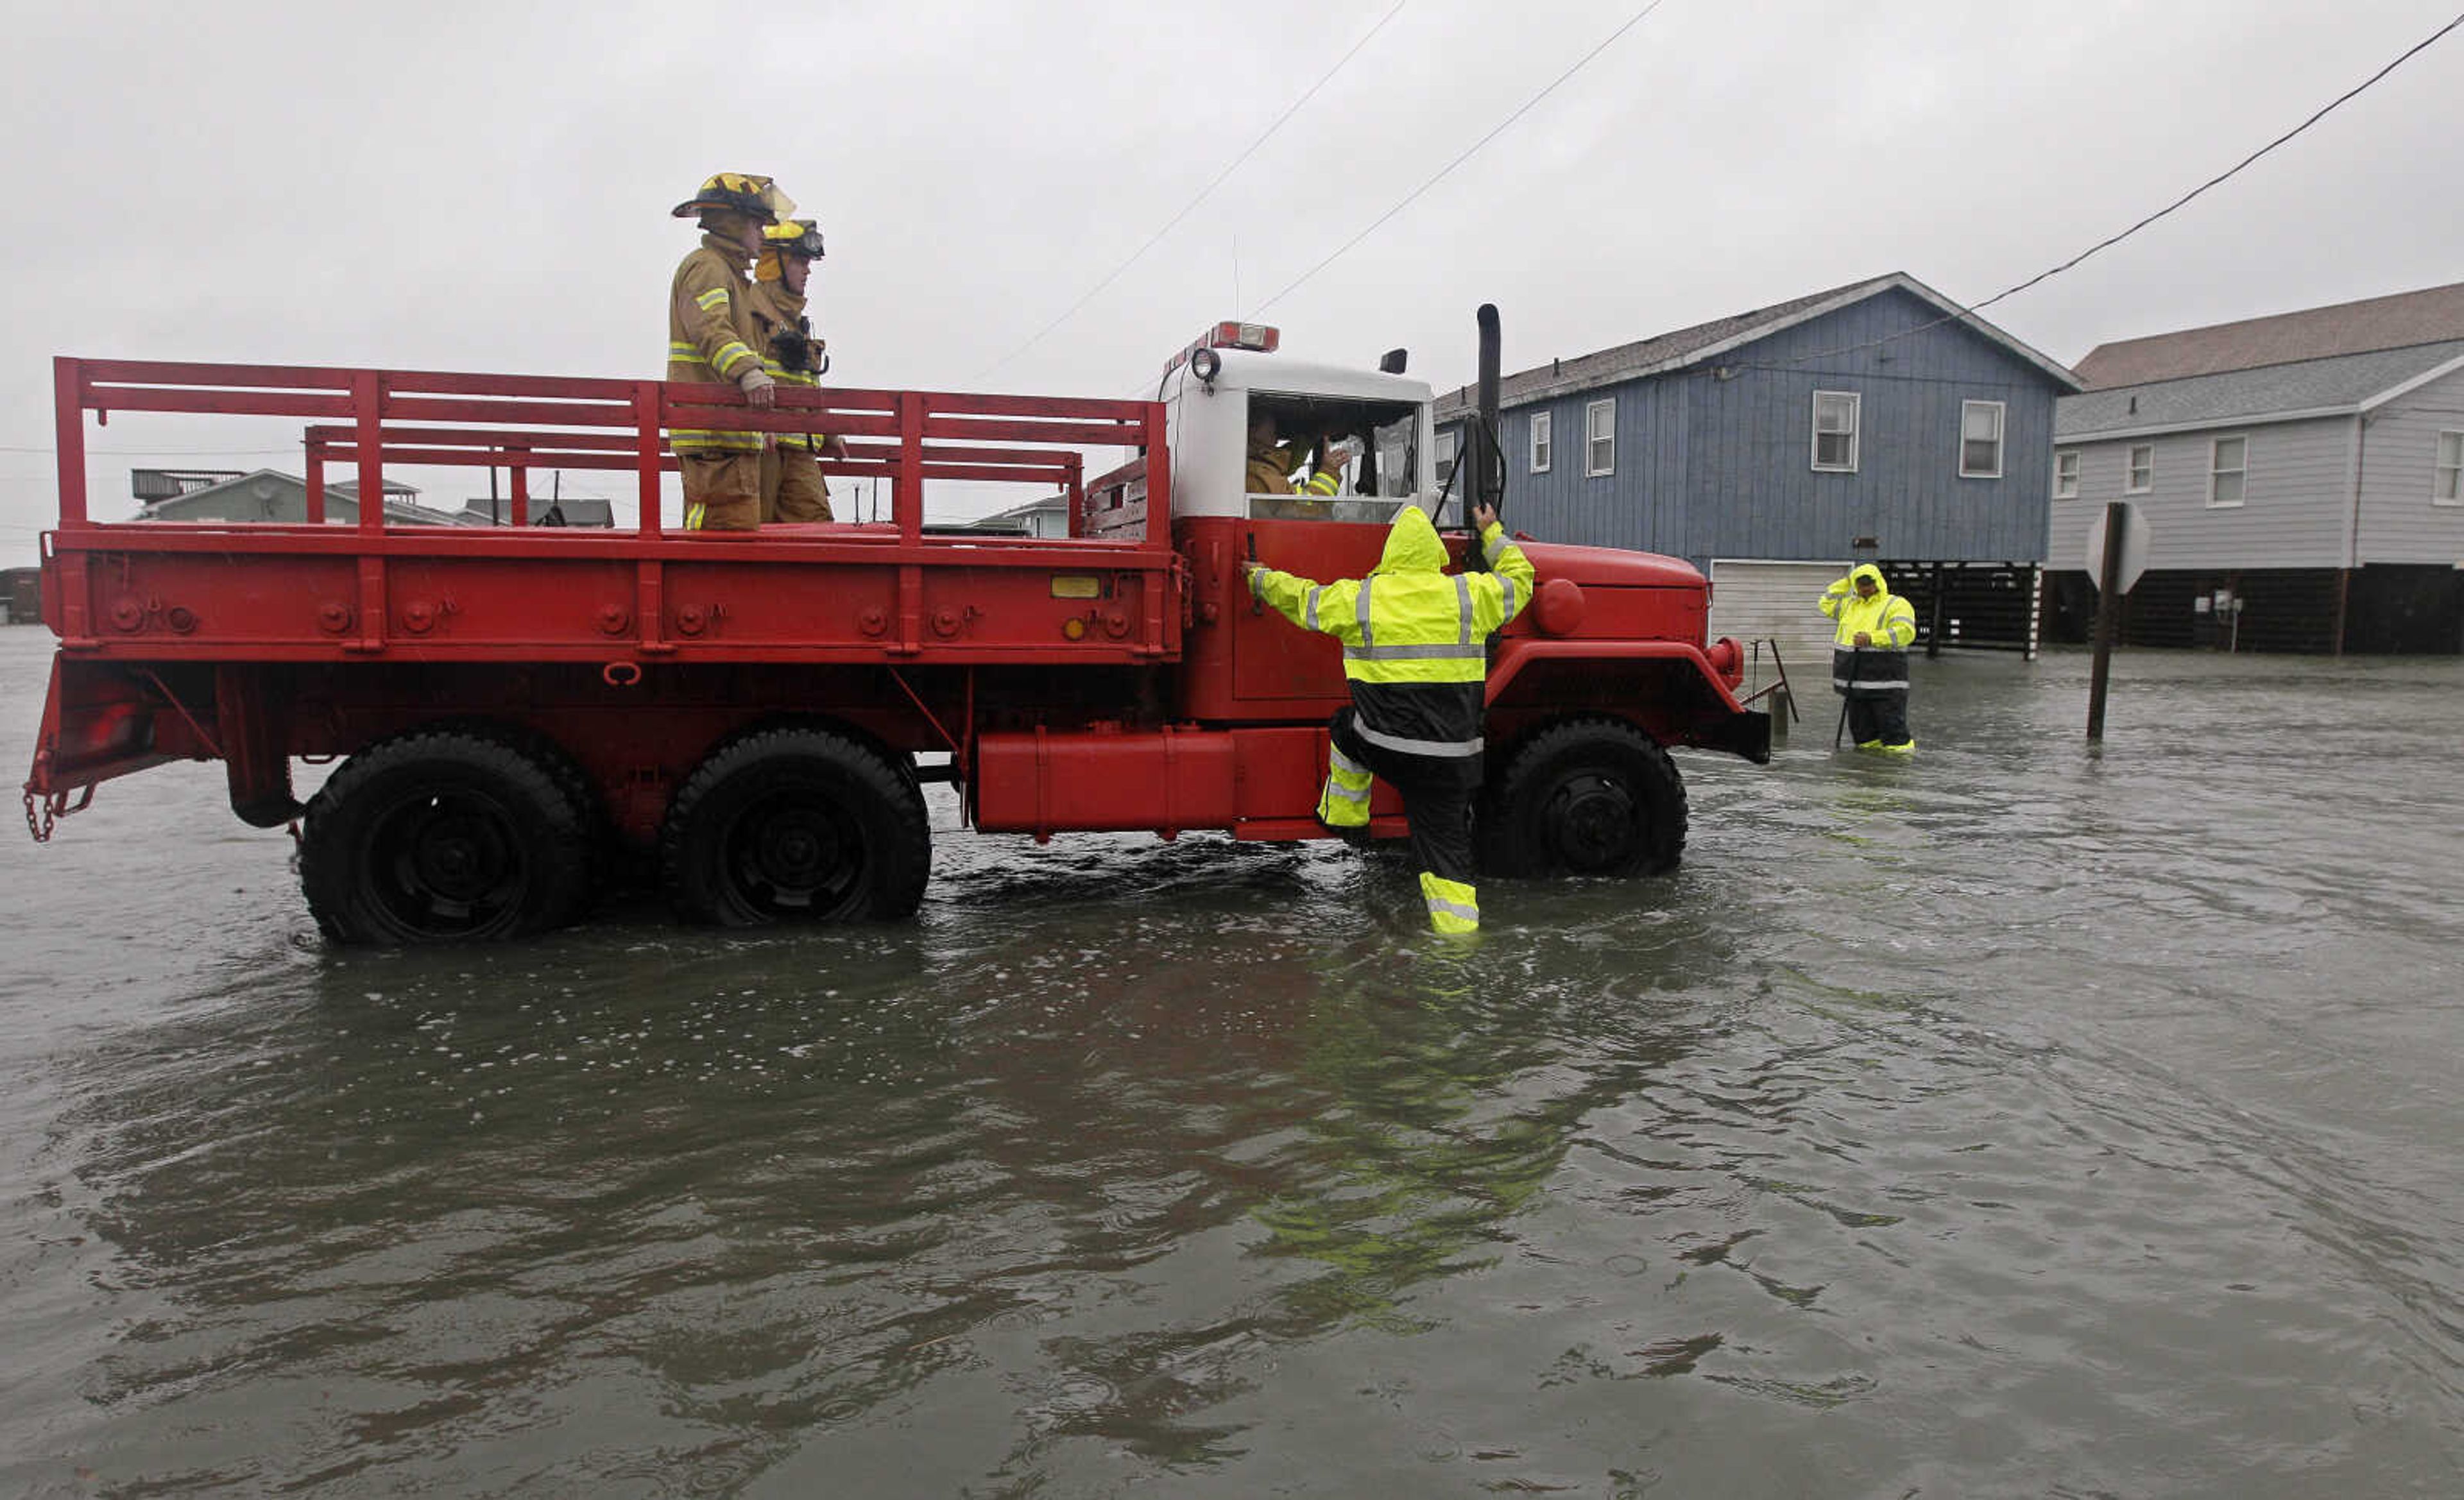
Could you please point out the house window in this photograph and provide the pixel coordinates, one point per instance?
(1834, 431)
(2227, 459)
(2447, 481)
(1599, 437)
(1980, 440)
(1447, 441)
(1540, 442)
(2140, 475)
(2066, 470)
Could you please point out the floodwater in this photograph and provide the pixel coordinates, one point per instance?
(2019, 1121)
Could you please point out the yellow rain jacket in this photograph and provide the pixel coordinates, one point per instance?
(1413, 636)
(1888, 622)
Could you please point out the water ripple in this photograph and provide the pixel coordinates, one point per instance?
(2017, 1121)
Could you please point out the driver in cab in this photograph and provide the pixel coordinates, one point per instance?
(1272, 461)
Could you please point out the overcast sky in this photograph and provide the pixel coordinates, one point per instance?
(486, 187)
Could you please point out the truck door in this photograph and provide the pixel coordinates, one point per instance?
(1325, 539)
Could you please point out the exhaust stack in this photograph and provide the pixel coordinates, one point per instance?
(1487, 470)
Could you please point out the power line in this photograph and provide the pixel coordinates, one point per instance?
(2111, 240)
(1190, 205)
(1413, 196)
(166, 453)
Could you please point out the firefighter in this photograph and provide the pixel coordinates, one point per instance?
(712, 341)
(1869, 658)
(1271, 463)
(1415, 653)
(792, 487)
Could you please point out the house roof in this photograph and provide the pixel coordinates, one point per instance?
(2274, 392)
(1689, 347)
(2433, 315)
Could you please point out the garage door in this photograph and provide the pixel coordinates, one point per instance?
(1759, 601)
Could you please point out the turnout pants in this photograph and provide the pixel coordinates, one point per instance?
(722, 489)
(791, 486)
(1437, 798)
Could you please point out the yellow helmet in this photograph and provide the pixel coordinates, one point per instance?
(794, 237)
(738, 192)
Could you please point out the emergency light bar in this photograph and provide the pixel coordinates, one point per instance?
(1243, 336)
(1258, 338)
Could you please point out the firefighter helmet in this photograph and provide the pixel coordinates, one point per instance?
(738, 192)
(794, 237)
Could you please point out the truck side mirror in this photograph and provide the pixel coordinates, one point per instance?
(1390, 362)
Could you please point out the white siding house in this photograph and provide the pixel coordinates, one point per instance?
(2298, 504)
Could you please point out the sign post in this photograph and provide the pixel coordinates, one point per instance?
(2117, 554)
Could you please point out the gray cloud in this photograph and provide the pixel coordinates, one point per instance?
(485, 186)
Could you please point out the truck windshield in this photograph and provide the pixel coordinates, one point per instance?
(1375, 444)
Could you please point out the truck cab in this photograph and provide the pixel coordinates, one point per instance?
(1623, 633)
(1216, 387)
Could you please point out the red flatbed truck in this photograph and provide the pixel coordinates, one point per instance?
(519, 707)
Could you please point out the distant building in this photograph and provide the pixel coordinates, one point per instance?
(1872, 422)
(150, 485)
(268, 494)
(1048, 517)
(21, 596)
(571, 509)
(2303, 475)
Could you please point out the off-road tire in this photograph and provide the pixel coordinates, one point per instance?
(444, 835)
(796, 825)
(1586, 797)
(608, 856)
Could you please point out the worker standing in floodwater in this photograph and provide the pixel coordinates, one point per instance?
(1873, 629)
(710, 341)
(1415, 653)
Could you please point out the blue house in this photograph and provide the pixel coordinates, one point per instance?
(1872, 422)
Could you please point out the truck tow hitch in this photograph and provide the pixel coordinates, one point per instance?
(45, 808)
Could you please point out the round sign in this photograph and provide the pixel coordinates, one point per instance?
(2134, 546)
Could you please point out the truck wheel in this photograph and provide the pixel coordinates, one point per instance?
(1589, 796)
(443, 836)
(796, 826)
(604, 859)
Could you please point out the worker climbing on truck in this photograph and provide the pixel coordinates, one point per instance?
(1414, 657)
(713, 339)
(792, 487)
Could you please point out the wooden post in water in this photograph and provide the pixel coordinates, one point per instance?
(2109, 612)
